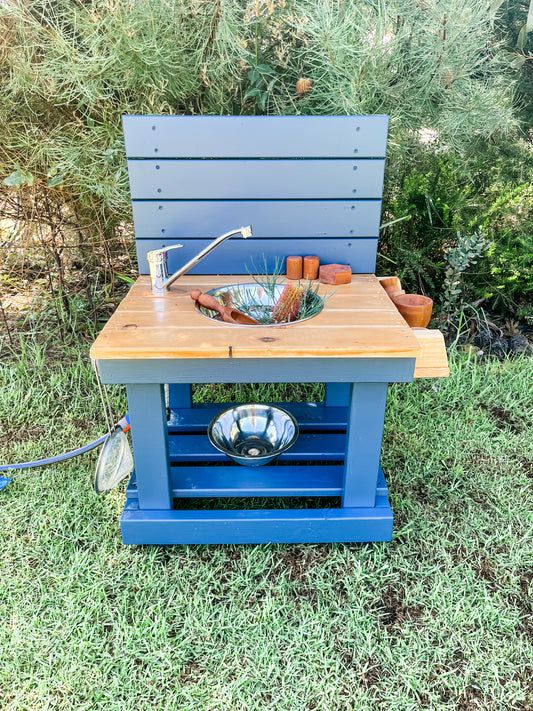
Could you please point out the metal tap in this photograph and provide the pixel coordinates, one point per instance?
(157, 261)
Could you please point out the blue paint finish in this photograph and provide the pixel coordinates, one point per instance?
(340, 158)
(381, 489)
(337, 394)
(309, 415)
(325, 480)
(271, 480)
(257, 526)
(270, 219)
(179, 395)
(255, 179)
(255, 136)
(236, 256)
(146, 403)
(258, 370)
(363, 443)
(198, 448)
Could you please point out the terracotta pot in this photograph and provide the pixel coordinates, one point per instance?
(393, 291)
(415, 309)
(390, 282)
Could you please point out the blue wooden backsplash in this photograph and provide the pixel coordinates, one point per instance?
(306, 184)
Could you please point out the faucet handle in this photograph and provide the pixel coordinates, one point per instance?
(154, 255)
(157, 264)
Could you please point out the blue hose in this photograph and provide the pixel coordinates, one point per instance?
(59, 458)
(124, 423)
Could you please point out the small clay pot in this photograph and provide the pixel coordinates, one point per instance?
(393, 291)
(415, 309)
(388, 282)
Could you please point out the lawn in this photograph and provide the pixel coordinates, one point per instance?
(440, 618)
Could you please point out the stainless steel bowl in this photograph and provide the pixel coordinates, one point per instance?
(257, 303)
(253, 435)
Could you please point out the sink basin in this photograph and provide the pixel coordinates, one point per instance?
(258, 302)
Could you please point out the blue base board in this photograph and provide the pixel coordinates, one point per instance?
(257, 526)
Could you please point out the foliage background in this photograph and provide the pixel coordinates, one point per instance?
(446, 71)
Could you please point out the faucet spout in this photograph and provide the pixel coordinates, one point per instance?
(244, 231)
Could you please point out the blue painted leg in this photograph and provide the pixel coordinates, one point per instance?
(363, 443)
(337, 394)
(146, 403)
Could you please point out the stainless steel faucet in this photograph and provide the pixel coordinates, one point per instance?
(157, 261)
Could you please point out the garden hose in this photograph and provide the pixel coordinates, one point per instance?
(124, 425)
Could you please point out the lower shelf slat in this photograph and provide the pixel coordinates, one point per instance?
(310, 415)
(213, 482)
(316, 447)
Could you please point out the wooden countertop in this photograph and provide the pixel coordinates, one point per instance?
(359, 320)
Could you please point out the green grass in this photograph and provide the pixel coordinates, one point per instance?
(440, 618)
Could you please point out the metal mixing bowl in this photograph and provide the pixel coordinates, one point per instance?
(253, 435)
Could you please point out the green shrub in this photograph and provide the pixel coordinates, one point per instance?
(440, 192)
(71, 68)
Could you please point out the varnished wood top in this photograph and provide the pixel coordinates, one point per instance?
(359, 320)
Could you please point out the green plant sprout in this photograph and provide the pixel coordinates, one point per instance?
(458, 258)
(246, 299)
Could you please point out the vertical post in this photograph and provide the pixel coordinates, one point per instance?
(363, 443)
(146, 404)
(337, 394)
(179, 396)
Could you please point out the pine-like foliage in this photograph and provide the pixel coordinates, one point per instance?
(70, 68)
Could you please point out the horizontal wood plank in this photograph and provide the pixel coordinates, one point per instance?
(293, 480)
(363, 284)
(140, 526)
(188, 318)
(255, 136)
(270, 480)
(288, 219)
(258, 526)
(223, 342)
(171, 333)
(315, 447)
(237, 256)
(310, 416)
(359, 295)
(255, 179)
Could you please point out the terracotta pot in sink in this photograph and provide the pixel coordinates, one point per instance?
(415, 309)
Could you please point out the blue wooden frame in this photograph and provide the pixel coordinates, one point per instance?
(351, 436)
(307, 185)
(336, 455)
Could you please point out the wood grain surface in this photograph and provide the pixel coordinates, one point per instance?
(358, 320)
(432, 362)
